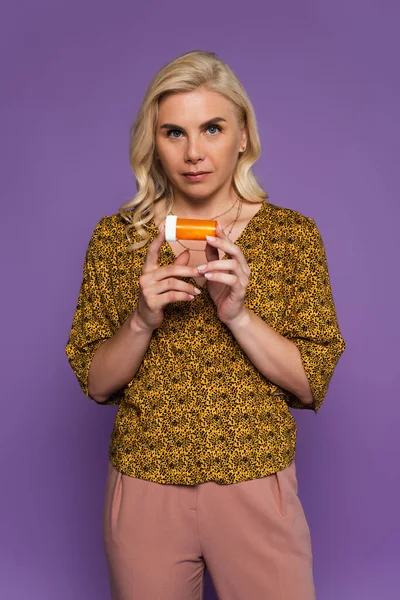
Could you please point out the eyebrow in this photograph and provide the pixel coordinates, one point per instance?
(203, 125)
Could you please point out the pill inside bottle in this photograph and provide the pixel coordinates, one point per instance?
(188, 229)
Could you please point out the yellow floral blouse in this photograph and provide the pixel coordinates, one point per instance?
(197, 409)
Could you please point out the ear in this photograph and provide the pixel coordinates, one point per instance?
(243, 141)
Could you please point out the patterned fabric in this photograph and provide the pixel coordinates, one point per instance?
(197, 409)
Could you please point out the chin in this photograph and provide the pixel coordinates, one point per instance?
(198, 194)
(197, 190)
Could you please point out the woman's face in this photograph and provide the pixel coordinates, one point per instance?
(198, 131)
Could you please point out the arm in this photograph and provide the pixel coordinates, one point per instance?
(104, 354)
(95, 323)
(276, 357)
(303, 357)
(311, 321)
(96, 317)
(118, 359)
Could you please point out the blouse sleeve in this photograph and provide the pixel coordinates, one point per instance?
(96, 317)
(311, 318)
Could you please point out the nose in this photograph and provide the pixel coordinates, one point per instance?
(194, 151)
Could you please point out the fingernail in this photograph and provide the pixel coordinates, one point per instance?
(219, 228)
(197, 291)
(208, 275)
(201, 267)
(210, 238)
(162, 228)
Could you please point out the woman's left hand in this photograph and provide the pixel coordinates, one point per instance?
(228, 278)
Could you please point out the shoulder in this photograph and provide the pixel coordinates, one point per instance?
(283, 217)
(291, 224)
(108, 234)
(109, 226)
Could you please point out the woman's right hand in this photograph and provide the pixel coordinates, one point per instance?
(158, 286)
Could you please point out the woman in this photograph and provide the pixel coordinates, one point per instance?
(204, 346)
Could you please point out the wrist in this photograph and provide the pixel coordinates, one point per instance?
(137, 326)
(240, 321)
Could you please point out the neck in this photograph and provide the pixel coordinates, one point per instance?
(203, 209)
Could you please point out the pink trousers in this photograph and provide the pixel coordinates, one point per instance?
(252, 536)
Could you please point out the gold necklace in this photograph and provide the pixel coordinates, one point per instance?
(239, 211)
(212, 218)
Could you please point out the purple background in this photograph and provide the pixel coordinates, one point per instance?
(324, 80)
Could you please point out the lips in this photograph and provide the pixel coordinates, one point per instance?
(199, 176)
(197, 173)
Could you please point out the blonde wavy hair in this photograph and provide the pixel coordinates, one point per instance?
(185, 73)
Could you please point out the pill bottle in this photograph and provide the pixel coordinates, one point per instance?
(188, 229)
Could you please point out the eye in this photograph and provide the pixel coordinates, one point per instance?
(217, 127)
(173, 131)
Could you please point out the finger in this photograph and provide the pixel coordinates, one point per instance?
(171, 296)
(226, 278)
(229, 264)
(223, 243)
(151, 260)
(183, 258)
(211, 253)
(171, 284)
(240, 279)
(173, 270)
